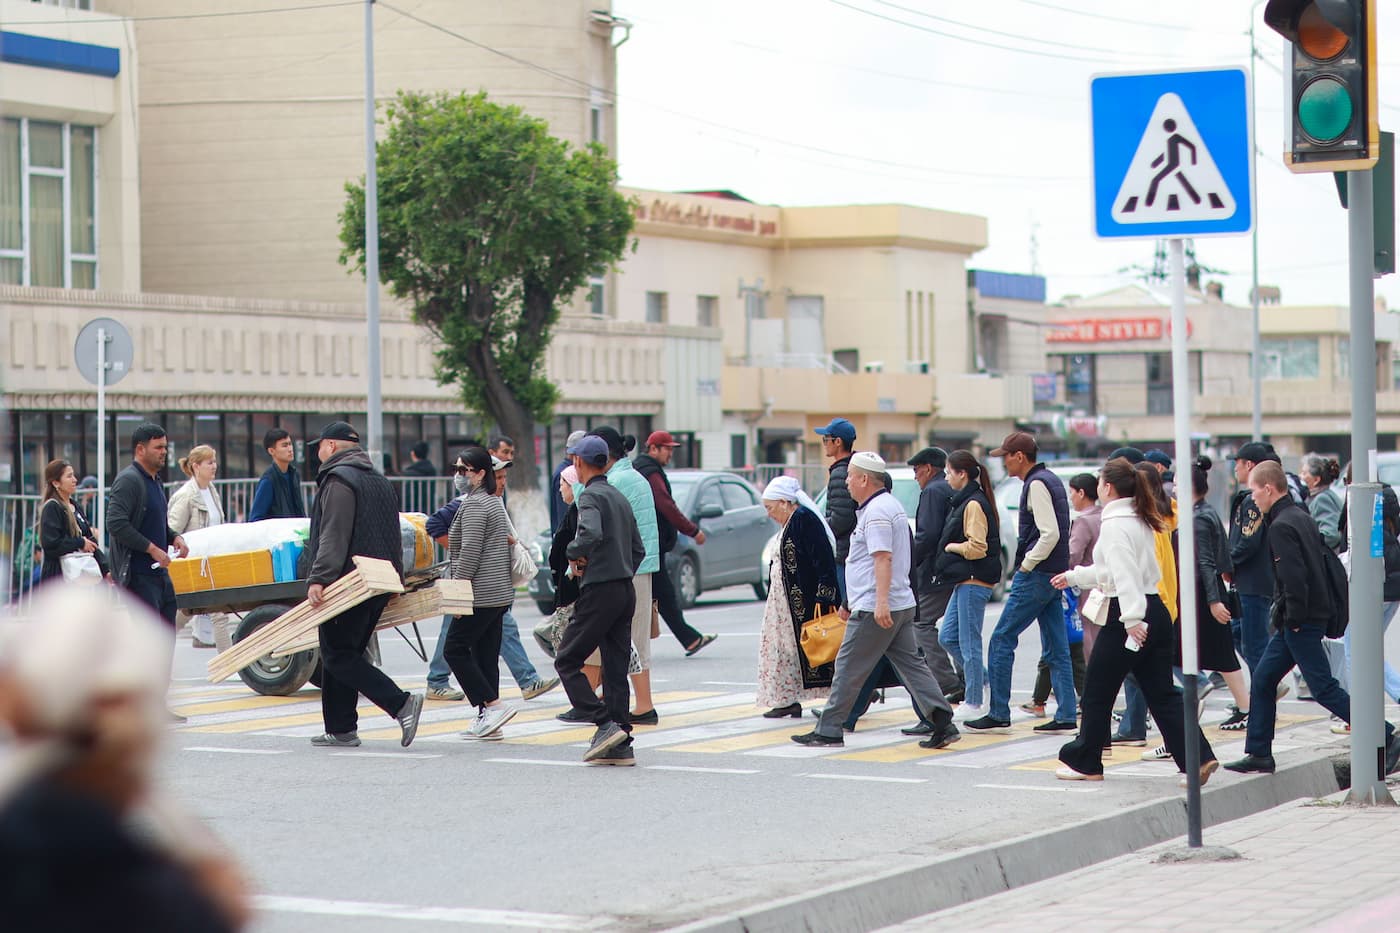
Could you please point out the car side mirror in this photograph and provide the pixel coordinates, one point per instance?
(710, 510)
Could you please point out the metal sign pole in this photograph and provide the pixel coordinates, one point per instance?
(1186, 542)
(1367, 701)
(374, 414)
(101, 432)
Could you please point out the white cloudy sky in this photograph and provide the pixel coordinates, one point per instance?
(800, 102)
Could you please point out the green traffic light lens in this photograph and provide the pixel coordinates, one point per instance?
(1325, 109)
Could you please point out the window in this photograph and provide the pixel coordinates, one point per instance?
(1343, 359)
(596, 305)
(1080, 383)
(70, 4)
(656, 307)
(706, 311)
(1159, 383)
(710, 498)
(1295, 358)
(595, 124)
(755, 305)
(48, 204)
(736, 497)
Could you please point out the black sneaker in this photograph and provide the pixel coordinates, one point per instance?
(605, 740)
(919, 728)
(1054, 725)
(1253, 764)
(1237, 721)
(816, 738)
(990, 725)
(572, 715)
(622, 756)
(942, 736)
(337, 740)
(649, 718)
(408, 718)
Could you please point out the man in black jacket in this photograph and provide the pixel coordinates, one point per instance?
(278, 494)
(1300, 612)
(838, 442)
(355, 512)
(671, 522)
(142, 540)
(932, 514)
(605, 555)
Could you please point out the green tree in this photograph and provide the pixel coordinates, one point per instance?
(487, 225)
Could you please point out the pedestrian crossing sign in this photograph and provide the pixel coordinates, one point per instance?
(1172, 154)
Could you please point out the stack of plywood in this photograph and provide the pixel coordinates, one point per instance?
(445, 597)
(370, 578)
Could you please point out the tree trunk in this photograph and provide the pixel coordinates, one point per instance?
(510, 416)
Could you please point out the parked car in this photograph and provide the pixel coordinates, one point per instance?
(727, 508)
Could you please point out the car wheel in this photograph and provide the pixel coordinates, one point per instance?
(269, 676)
(687, 582)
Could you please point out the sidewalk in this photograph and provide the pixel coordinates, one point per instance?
(1307, 865)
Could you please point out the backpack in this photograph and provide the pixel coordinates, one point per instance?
(1337, 590)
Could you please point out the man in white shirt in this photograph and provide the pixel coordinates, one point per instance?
(1042, 551)
(879, 612)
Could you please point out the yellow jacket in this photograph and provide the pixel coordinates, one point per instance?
(1166, 562)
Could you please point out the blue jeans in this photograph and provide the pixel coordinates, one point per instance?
(1134, 722)
(841, 580)
(1285, 649)
(439, 673)
(1392, 679)
(1032, 599)
(1252, 632)
(961, 635)
(513, 653)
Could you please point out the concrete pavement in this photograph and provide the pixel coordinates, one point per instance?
(1306, 865)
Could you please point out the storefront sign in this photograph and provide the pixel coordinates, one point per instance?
(1043, 386)
(1105, 330)
(705, 217)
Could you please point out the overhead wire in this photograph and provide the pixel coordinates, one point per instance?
(1058, 8)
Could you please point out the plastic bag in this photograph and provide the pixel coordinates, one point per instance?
(80, 567)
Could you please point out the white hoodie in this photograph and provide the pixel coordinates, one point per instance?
(1125, 562)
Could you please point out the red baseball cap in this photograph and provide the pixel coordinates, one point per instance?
(661, 439)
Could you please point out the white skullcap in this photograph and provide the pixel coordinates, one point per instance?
(869, 462)
(783, 488)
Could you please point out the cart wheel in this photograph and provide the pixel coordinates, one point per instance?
(274, 676)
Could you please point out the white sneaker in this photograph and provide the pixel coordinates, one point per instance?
(966, 711)
(493, 717)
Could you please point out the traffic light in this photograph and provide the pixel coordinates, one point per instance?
(1330, 72)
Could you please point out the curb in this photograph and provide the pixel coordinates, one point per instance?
(894, 897)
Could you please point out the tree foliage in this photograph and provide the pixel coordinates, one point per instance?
(487, 225)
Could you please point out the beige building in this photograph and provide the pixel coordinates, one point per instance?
(859, 311)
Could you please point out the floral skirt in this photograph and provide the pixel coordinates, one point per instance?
(779, 667)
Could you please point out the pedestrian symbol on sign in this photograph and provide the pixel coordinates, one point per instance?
(1172, 175)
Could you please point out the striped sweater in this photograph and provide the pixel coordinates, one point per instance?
(478, 548)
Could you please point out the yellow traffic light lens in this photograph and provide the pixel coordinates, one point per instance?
(1325, 109)
(1319, 39)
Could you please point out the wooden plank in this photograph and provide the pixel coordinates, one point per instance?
(369, 578)
(450, 597)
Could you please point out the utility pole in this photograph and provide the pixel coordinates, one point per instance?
(1256, 376)
(374, 414)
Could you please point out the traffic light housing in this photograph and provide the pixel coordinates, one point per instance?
(1330, 74)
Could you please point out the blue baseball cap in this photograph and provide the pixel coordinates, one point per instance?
(841, 428)
(590, 449)
(1156, 456)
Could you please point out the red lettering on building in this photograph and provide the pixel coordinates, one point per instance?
(1107, 330)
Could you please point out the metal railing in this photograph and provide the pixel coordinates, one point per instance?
(812, 476)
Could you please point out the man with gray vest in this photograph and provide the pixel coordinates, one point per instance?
(355, 512)
(1042, 551)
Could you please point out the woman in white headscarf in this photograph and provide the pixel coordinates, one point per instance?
(803, 582)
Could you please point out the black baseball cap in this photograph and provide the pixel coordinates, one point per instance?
(339, 431)
(1257, 452)
(930, 456)
(1131, 454)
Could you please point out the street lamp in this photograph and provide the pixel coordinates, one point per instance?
(1256, 421)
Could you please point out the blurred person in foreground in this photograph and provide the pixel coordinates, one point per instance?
(87, 840)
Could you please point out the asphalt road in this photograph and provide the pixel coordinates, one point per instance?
(722, 810)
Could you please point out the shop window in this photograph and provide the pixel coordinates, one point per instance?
(1291, 358)
(48, 204)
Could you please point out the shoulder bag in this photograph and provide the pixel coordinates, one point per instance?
(821, 637)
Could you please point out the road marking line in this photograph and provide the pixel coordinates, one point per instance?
(703, 770)
(237, 751)
(535, 761)
(1046, 790)
(668, 723)
(462, 915)
(865, 777)
(398, 755)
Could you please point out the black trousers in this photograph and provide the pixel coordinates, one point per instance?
(602, 622)
(1109, 664)
(663, 590)
(1041, 693)
(155, 590)
(346, 672)
(473, 652)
